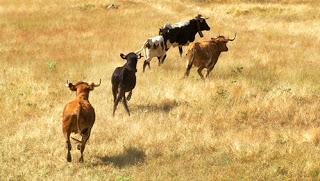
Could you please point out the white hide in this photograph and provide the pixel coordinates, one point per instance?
(152, 52)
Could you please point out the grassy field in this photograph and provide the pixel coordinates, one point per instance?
(257, 117)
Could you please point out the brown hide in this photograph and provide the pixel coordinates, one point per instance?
(78, 116)
(205, 53)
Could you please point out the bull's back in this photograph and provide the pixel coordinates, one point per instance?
(87, 115)
(128, 80)
(71, 108)
(70, 113)
(155, 47)
(78, 109)
(200, 53)
(115, 79)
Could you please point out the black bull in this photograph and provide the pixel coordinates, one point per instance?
(182, 35)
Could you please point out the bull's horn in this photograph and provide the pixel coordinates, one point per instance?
(139, 55)
(96, 85)
(137, 52)
(233, 37)
(67, 84)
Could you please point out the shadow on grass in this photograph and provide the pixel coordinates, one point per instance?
(130, 156)
(163, 106)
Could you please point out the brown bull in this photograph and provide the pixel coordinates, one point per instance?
(205, 54)
(78, 116)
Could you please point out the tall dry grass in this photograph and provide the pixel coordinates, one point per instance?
(256, 118)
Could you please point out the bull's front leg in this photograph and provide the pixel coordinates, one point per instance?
(145, 63)
(159, 60)
(180, 51)
(210, 67)
(85, 137)
(162, 59)
(200, 72)
(189, 65)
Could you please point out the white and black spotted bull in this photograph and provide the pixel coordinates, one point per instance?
(154, 47)
(183, 33)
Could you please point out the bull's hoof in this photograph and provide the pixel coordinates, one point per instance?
(129, 97)
(81, 159)
(69, 157)
(145, 64)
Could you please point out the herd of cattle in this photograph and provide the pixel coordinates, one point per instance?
(79, 115)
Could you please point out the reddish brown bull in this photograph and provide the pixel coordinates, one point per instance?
(78, 116)
(205, 54)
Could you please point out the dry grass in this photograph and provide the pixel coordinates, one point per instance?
(256, 118)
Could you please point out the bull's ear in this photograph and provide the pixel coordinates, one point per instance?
(91, 87)
(139, 56)
(122, 56)
(72, 87)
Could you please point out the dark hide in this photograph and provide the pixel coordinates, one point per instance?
(182, 35)
(124, 80)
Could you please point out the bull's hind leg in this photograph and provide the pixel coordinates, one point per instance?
(208, 72)
(199, 72)
(145, 63)
(124, 101)
(189, 65)
(114, 92)
(68, 145)
(116, 102)
(129, 96)
(85, 136)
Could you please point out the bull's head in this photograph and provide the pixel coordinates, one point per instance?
(131, 56)
(82, 88)
(221, 42)
(163, 31)
(202, 24)
(132, 59)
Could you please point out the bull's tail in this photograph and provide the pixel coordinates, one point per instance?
(75, 139)
(78, 124)
(78, 120)
(190, 52)
(143, 47)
